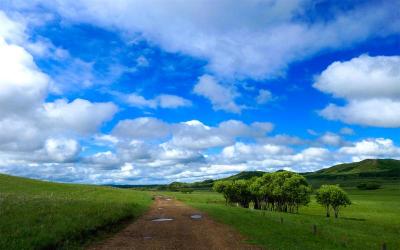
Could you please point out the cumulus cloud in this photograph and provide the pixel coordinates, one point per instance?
(44, 137)
(347, 131)
(363, 77)
(22, 85)
(142, 128)
(62, 150)
(331, 139)
(264, 96)
(221, 97)
(11, 31)
(254, 39)
(79, 115)
(372, 148)
(31, 129)
(161, 101)
(370, 85)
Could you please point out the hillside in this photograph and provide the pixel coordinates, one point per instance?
(382, 171)
(348, 174)
(367, 168)
(44, 215)
(245, 175)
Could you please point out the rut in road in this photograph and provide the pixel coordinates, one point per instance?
(182, 232)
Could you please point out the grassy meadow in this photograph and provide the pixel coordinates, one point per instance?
(43, 215)
(372, 219)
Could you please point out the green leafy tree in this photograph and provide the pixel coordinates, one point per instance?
(223, 188)
(257, 192)
(242, 192)
(297, 192)
(332, 196)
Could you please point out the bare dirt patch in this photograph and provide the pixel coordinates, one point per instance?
(182, 232)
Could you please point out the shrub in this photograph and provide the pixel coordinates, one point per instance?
(368, 186)
(332, 196)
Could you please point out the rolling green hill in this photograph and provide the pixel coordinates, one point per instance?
(348, 174)
(380, 171)
(245, 175)
(365, 168)
(44, 215)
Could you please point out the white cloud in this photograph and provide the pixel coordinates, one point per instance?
(254, 39)
(371, 87)
(331, 139)
(104, 160)
(163, 101)
(221, 97)
(172, 101)
(80, 115)
(33, 131)
(22, 85)
(142, 128)
(241, 152)
(10, 30)
(363, 77)
(374, 112)
(347, 131)
(196, 135)
(264, 96)
(372, 148)
(62, 150)
(142, 61)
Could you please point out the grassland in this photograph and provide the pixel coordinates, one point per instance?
(374, 218)
(44, 215)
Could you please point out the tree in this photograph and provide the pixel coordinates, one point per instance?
(332, 196)
(223, 187)
(297, 192)
(242, 193)
(281, 191)
(256, 190)
(323, 197)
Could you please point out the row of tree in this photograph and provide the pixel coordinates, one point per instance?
(282, 191)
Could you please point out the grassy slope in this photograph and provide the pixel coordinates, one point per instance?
(365, 166)
(349, 174)
(384, 171)
(373, 218)
(36, 214)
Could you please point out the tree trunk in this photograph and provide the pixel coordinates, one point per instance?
(336, 212)
(257, 204)
(327, 211)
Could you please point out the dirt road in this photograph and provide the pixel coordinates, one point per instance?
(174, 229)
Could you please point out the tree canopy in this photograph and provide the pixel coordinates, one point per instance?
(332, 196)
(280, 191)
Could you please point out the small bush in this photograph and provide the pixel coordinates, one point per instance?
(368, 186)
(186, 190)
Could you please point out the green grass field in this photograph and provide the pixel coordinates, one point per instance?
(37, 215)
(374, 218)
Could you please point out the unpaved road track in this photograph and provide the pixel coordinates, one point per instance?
(182, 232)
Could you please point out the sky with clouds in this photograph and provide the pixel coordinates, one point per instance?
(140, 92)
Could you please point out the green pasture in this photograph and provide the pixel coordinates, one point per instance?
(372, 220)
(43, 215)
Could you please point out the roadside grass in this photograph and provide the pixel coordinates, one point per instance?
(44, 215)
(372, 219)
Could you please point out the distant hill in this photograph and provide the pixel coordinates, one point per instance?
(348, 174)
(244, 175)
(352, 174)
(366, 168)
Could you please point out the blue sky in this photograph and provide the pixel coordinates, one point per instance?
(136, 92)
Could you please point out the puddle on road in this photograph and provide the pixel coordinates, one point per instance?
(196, 216)
(147, 237)
(162, 219)
(168, 199)
(160, 208)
